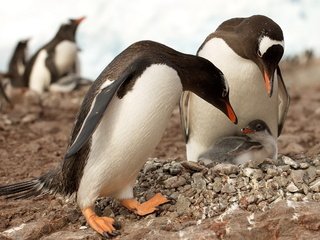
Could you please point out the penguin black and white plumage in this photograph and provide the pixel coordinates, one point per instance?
(4, 78)
(17, 64)
(55, 61)
(119, 124)
(247, 51)
(256, 143)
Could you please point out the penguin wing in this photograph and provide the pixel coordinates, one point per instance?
(246, 146)
(284, 101)
(50, 64)
(184, 114)
(99, 104)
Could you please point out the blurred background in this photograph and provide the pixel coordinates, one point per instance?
(112, 25)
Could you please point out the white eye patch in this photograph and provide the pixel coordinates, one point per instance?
(266, 43)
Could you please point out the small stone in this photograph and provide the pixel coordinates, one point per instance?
(225, 169)
(228, 188)
(284, 168)
(174, 182)
(297, 176)
(272, 172)
(217, 185)
(304, 165)
(31, 117)
(316, 197)
(290, 162)
(198, 181)
(311, 173)
(315, 185)
(193, 166)
(292, 188)
(175, 169)
(151, 166)
(253, 173)
(182, 205)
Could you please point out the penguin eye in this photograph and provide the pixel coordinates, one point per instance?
(259, 53)
(224, 92)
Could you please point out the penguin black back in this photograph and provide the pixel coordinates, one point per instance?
(17, 64)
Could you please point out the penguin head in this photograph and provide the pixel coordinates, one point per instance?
(68, 30)
(263, 43)
(257, 129)
(22, 44)
(209, 83)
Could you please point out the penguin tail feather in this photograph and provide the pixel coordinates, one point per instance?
(45, 184)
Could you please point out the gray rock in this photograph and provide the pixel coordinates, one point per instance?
(175, 169)
(225, 169)
(174, 182)
(292, 188)
(315, 185)
(298, 177)
(182, 205)
(290, 162)
(193, 166)
(228, 188)
(253, 173)
(198, 181)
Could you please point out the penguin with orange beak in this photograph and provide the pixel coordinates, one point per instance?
(119, 124)
(54, 66)
(248, 52)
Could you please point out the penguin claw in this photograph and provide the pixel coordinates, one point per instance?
(112, 234)
(106, 226)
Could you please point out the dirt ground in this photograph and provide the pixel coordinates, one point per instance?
(33, 139)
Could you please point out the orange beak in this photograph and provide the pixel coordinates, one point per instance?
(247, 130)
(79, 20)
(268, 83)
(230, 112)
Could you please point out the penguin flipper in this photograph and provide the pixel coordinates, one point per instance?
(184, 114)
(284, 101)
(50, 64)
(98, 107)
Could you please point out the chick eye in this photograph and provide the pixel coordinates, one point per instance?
(259, 127)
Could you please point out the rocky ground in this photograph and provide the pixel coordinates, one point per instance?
(260, 200)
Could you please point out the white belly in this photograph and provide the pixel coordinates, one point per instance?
(248, 97)
(65, 56)
(40, 76)
(128, 133)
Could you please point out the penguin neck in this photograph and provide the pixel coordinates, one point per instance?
(268, 142)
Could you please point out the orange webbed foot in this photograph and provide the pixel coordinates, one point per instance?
(106, 226)
(147, 207)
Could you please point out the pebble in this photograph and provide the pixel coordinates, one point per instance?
(290, 162)
(225, 169)
(197, 191)
(292, 188)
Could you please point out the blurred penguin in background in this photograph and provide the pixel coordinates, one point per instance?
(17, 64)
(55, 66)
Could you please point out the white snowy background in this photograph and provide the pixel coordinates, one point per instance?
(112, 25)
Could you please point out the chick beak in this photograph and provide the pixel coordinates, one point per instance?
(247, 130)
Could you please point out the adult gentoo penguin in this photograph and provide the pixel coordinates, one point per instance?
(17, 64)
(256, 143)
(54, 61)
(247, 51)
(120, 122)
